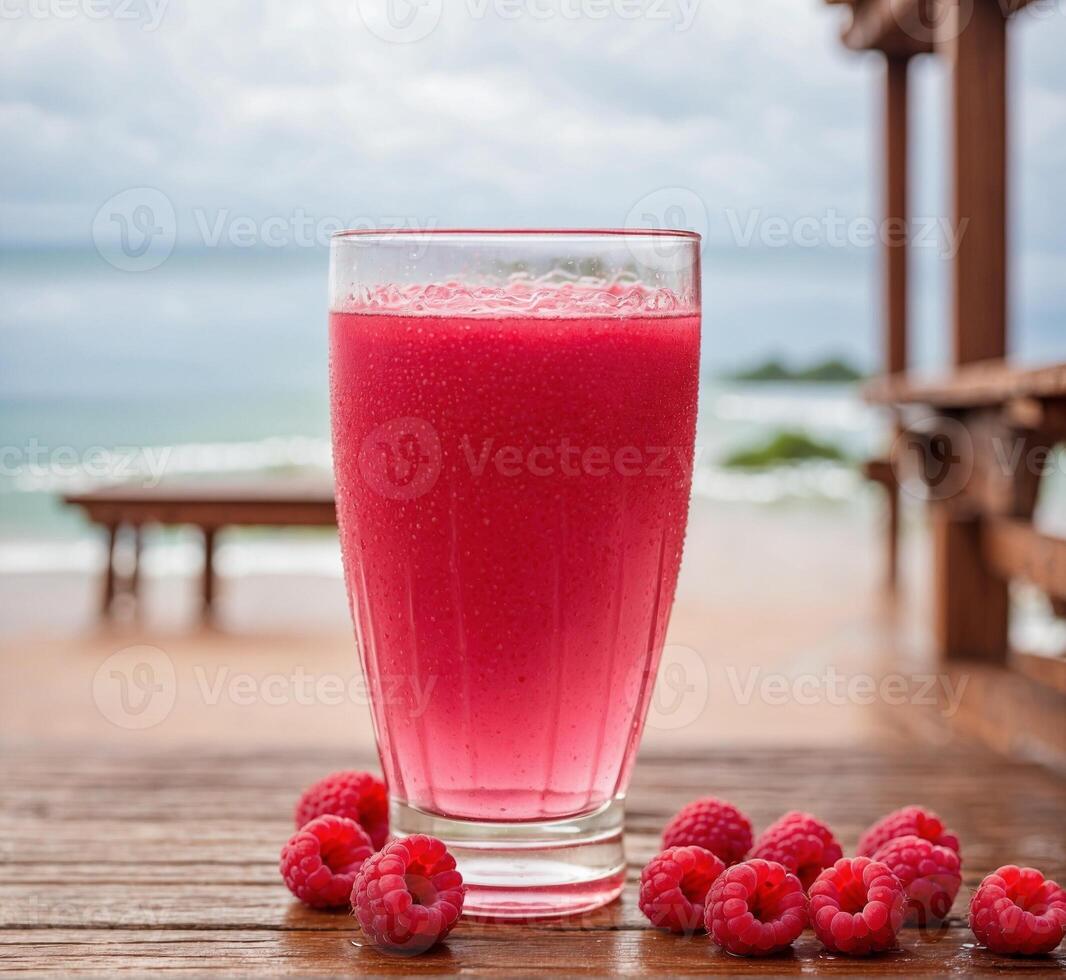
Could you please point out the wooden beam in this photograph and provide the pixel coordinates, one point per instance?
(977, 50)
(973, 386)
(1015, 549)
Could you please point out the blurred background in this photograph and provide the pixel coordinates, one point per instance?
(172, 174)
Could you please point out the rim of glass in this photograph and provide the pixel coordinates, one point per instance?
(605, 233)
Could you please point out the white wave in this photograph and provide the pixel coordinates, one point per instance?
(804, 481)
(61, 469)
(43, 557)
(840, 412)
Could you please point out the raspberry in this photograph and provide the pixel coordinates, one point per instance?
(408, 896)
(800, 842)
(356, 795)
(674, 886)
(756, 908)
(320, 860)
(713, 824)
(928, 872)
(900, 823)
(1016, 910)
(857, 907)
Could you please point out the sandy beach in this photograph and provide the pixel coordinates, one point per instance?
(769, 598)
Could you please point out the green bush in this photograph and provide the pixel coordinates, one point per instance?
(783, 448)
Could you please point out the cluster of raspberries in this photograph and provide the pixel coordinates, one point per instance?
(407, 894)
(755, 896)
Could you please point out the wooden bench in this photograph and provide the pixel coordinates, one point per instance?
(209, 505)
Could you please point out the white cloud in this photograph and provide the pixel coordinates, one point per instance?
(264, 106)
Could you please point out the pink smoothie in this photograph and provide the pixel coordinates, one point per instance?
(512, 492)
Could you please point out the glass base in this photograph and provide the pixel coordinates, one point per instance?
(529, 870)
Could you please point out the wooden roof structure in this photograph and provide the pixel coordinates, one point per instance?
(905, 27)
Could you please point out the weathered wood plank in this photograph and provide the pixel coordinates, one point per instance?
(1049, 671)
(482, 950)
(138, 862)
(982, 384)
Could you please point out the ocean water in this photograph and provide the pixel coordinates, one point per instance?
(216, 363)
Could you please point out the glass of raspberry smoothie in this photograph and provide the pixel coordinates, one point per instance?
(513, 420)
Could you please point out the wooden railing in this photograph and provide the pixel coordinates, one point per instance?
(980, 444)
(986, 429)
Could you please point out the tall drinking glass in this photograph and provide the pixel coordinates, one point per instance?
(513, 422)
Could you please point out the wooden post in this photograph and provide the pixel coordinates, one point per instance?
(108, 597)
(896, 213)
(209, 574)
(977, 52)
(895, 263)
(135, 569)
(971, 603)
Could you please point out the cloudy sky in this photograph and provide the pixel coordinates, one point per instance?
(485, 112)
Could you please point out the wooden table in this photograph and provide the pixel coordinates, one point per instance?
(160, 861)
(209, 505)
